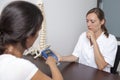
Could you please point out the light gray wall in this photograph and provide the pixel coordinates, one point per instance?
(65, 22)
(3, 3)
(112, 13)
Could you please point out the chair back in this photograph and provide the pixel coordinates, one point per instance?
(117, 61)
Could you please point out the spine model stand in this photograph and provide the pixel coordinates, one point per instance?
(41, 41)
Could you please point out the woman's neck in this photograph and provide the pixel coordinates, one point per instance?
(98, 33)
(16, 50)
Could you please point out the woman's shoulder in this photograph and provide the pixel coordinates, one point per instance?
(23, 61)
(16, 65)
(112, 37)
(82, 37)
(14, 60)
(83, 34)
(7, 57)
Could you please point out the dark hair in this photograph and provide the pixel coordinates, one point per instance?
(18, 21)
(100, 15)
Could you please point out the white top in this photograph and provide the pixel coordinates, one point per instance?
(118, 42)
(12, 68)
(107, 46)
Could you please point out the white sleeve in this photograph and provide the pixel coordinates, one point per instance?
(78, 47)
(109, 51)
(28, 69)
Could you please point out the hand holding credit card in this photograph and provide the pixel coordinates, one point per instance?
(47, 52)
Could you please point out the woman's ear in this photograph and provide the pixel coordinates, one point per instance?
(29, 41)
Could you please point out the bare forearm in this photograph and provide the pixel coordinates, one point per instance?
(56, 75)
(100, 61)
(69, 58)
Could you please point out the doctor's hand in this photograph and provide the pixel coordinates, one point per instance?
(91, 36)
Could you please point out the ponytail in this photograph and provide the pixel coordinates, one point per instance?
(105, 30)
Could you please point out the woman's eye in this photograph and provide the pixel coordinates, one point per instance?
(92, 21)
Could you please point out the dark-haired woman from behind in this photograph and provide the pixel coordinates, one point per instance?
(20, 23)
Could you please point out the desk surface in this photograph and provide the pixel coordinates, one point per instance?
(75, 71)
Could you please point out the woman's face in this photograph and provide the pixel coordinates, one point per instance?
(93, 22)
